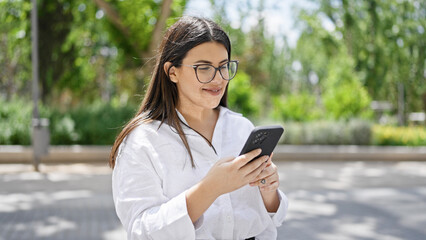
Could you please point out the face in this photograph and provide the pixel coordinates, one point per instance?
(193, 94)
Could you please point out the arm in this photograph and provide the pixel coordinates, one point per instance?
(144, 210)
(275, 201)
(147, 213)
(225, 176)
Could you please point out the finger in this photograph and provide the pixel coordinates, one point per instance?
(251, 175)
(268, 171)
(245, 158)
(271, 187)
(264, 181)
(270, 160)
(226, 159)
(254, 165)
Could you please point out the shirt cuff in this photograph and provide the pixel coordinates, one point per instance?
(279, 216)
(175, 222)
(199, 222)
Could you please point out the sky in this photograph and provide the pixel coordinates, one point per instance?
(279, 16)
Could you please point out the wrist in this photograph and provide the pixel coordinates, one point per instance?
(209, 189)
(271, 200)
(198, 200)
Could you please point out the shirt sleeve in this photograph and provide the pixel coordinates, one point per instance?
(277, 219)
(143, 209)
(279, 216)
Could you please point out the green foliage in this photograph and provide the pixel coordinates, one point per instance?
(386, 40)
(405, 136)
(95, 124)
(15, 48)
(84, 55)
(15, 122)
(328, 133)
(295, 107)
(99, 124)
(242, 95)
(344, 96)
(348, 53)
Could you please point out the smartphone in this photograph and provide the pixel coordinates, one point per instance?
(263, 137)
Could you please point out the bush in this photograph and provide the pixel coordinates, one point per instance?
(344, 96)
(15, 122)
(406, 136)
(241, 95)
(95, 124)
(353, 132)
(296, 107)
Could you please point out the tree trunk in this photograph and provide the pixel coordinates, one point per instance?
(424, 104)
(157, 33)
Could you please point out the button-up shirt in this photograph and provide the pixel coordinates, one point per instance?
(153, 171)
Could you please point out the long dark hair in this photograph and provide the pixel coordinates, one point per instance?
(161, 98)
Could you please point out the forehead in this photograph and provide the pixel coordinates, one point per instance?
(213, 52)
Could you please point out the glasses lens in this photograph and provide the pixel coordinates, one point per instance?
(205, 73)
(229, 70)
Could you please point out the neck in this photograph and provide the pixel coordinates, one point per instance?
(196, 116)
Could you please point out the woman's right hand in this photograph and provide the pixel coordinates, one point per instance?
(225, 176)
(230, 174)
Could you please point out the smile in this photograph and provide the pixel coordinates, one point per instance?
(213, 91)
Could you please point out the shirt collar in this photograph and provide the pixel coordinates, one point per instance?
(217, 133)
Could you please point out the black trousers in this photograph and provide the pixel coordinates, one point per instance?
(252, 238)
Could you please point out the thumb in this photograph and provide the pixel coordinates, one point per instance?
(226, 159)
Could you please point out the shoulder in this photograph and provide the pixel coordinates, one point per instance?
(146, 135)
(236, 119)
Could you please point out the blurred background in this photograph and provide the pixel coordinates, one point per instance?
(332, 71)
(346, 79)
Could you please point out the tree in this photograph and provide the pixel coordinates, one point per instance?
(88, 49)
(387, 41)
(384, 39)
(15, 48)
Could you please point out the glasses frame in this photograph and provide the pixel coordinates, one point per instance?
(195, 67)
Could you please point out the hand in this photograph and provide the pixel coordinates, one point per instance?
(268, 180)
(230, 174)
(225, 176)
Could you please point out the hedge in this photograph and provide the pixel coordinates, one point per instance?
(408, 136)
(353, 132)
(95, 124)
(99, 123)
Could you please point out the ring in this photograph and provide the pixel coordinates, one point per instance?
(263, 181)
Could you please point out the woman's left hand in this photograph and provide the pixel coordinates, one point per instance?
(268, 180)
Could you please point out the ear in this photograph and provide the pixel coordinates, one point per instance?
(170, 71)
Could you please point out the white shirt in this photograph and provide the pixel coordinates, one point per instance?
(153, 172)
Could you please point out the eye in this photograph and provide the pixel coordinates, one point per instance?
(204, 67)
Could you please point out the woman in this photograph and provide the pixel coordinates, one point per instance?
(176, 170)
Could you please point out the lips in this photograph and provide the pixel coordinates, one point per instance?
(213, 90)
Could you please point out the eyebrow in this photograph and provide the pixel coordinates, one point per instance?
(208, 62)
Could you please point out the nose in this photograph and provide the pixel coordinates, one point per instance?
(217, 77)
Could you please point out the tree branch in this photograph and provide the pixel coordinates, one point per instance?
(113, 16)
(160, 25)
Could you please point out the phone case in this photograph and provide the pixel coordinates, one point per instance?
(264, 137)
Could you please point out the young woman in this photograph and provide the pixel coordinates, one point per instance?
(177, 173)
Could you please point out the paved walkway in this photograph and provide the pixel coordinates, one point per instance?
(328, 200)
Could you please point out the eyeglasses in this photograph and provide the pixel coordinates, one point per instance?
(205, 73)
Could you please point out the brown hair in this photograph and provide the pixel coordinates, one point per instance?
(161, 98)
